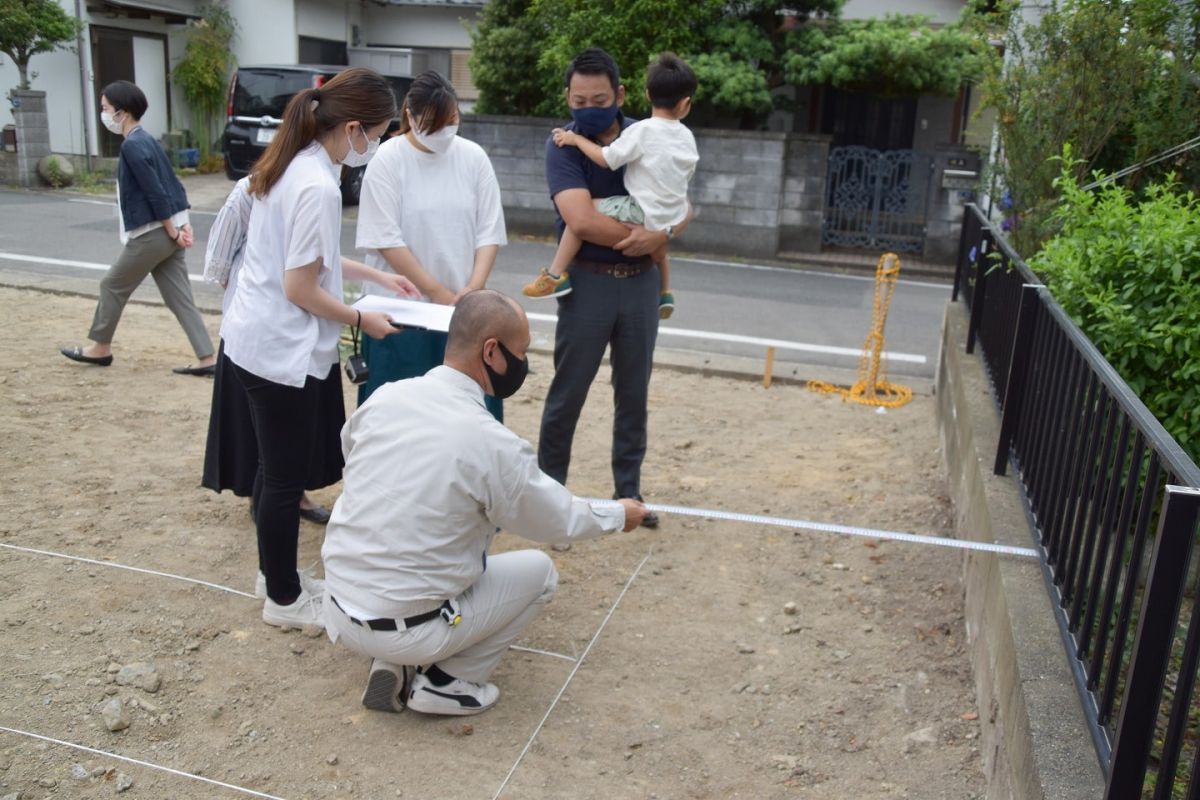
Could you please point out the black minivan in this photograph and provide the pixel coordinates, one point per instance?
(257, 97)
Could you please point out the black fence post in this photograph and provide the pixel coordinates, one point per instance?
(1018, 373)
(1153, 640)
(962, 252)
(977, 296)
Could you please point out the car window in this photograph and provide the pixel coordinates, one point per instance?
(260, 93)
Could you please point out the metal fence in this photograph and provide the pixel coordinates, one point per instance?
(1114, 503)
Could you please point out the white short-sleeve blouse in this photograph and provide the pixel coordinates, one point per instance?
(298, 222)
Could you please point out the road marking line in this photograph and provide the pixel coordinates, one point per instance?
(768, 268)
(139, 762)
(734, 338)
(781, 344)
(66, 262)
(570, 677)
(114, 205)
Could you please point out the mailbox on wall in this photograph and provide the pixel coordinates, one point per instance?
(960, 179)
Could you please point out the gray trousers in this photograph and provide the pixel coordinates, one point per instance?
(153, 254)
(602, 311)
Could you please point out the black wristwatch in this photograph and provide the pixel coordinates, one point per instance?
(670, 232)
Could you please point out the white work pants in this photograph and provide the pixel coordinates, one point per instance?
(495, 611)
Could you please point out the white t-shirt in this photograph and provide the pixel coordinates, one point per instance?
(443, 207)
(659, 156)
(297, 222)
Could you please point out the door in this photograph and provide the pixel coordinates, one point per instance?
(121, 55)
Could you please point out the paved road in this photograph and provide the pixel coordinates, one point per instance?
(827, 316)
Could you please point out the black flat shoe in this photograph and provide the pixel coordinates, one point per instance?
(317, 514)
(76, 354)
(203, 372)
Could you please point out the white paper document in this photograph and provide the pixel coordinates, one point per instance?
(410, 313)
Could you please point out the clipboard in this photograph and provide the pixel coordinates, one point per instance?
(408, 313)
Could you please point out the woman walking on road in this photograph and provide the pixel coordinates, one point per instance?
(154, 227)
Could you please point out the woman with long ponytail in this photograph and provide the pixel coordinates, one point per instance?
(282, 328)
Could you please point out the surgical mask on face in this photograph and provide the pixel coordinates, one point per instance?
(506, 385)
(107, 120)
(438, 141)
(353, 158)
(594, 121)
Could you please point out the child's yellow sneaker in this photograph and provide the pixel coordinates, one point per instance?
(546, 285)
(666, 305)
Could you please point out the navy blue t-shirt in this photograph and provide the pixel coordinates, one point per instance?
(569, 168)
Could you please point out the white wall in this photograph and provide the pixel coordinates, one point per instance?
(417, 26)
(939, 11)
(266, 31)
(323, 19)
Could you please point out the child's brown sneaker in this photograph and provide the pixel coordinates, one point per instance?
(546, 285)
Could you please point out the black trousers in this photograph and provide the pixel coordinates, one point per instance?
(286, 424)
(602, 311)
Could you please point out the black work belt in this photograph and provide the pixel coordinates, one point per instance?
(618, 269)
(389, 624)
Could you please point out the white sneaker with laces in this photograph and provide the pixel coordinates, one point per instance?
(387, 686)
(308, 582)
(458, 698)
(308, 609)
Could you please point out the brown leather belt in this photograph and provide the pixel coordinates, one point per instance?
(619, 269)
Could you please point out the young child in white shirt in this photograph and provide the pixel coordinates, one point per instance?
(659, 156)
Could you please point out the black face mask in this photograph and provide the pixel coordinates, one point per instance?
(506, 385)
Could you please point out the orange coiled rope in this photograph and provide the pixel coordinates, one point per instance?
(873, 388)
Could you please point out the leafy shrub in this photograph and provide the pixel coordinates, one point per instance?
(1127, 269)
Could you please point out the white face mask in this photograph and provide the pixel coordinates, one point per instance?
(438, 141)
(110, 123)
(353, 158)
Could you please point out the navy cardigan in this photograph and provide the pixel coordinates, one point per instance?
(150, 190)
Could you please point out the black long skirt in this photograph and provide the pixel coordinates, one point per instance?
(231, 453)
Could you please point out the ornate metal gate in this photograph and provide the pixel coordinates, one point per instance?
(877, 199)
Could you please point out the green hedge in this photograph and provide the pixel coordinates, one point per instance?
(1127, 270)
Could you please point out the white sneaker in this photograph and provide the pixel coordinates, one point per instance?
(306, 610)
(457, 698)
(387, 686)
(308, 582)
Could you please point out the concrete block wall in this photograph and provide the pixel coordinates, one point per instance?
(33, 134)
(754, 193)
(806, 172)
(946, 205)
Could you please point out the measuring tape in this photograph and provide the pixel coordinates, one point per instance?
(849, 530)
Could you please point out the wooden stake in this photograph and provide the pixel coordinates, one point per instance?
(769, 367)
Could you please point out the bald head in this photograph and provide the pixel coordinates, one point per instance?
(482, 315)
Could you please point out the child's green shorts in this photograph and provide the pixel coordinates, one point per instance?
(622, 208)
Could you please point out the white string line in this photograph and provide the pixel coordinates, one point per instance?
(131, 569)
(107, 754)
(211, 585)
(570, 677)
(540, 652)
(849, 530)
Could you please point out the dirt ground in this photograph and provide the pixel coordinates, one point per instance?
(701, 685)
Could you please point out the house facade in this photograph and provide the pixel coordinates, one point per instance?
(141, 40)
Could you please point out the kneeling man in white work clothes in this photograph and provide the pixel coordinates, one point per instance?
(430, 477)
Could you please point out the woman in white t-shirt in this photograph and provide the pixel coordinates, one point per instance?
(282, 328)
(429, 210)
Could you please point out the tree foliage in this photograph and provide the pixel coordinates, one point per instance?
(29, 27)
(203, 71)
(896, 55)
(522, 47)
(1116, 81)
(1126, 267)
